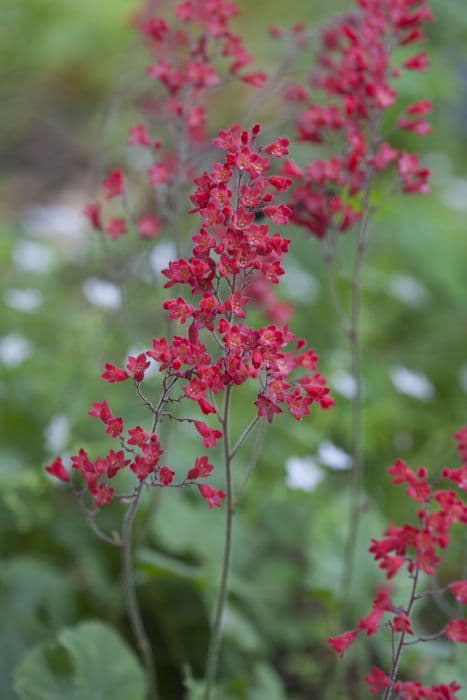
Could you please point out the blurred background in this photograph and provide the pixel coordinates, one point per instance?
(70, 77)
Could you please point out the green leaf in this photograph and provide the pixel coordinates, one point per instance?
(267, 684)
(157, 564)
(87, 662)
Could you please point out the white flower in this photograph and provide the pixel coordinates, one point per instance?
(409, 290)
(413, 384)
(344, 383)
(102, 293)
(333, 456)
(57, 433)
(161, 255)
(302, 473)
(455, 194)
(463, 378)
(55, 220)
(30, 256)
(26, 300)
(300, 284)
(14, 349)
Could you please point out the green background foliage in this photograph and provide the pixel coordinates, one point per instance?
(74, 72)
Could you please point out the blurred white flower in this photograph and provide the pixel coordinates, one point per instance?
(14, 349)
(409, 290)
(55, 220)
(413, 384)
(463, 378)
(161, 255)
(302, 473)
(333, 456)
(23, 299)
(102, 293)
(455, 194)
(31, 256)
(57, 433)
(344, 383)
(300, 285)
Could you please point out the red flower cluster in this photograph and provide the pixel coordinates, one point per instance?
(185, 53)
(356, 74)
(228, 250)
(417, 548)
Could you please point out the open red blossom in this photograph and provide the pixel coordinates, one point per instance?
(138, 436)
(211, 495)
(210, 435)
(201, 469)
(114, 427)
(137, 366)
(102, 494)
(101, 410)
(456, 630)
(341, 642)
(114, 462)
(280, 214)
(114, 184)
(114, 374)
(459, 590)
(166, 475)
(377, 679)
(58, 469)
(142, 467)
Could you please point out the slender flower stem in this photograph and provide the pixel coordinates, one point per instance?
(397, 657)
(134, 611)
(216, 629)
(357, 402)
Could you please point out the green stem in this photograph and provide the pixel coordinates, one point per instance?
(357, 401)
(216, 631)
(134, 611)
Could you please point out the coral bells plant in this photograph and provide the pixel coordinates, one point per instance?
(204, 366)
(353, 117)
(415, 549)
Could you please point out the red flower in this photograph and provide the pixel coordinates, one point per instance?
(459, 590)
(139, 136)
(201, 469)
(137, 366)
(377, 680)
(341, 642)
(210, 435)
(213, 496)
(149, 226)
(94, 213)
(456, 630)
(114, 184)
(166, 475)
(58, 469)
(114, 374)
(116, 228)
